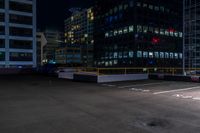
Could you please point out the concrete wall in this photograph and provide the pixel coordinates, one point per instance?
(115, 78)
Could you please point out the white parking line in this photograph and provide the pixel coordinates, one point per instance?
(177, 90)
(136, 85)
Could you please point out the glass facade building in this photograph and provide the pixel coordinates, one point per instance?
(17, 33)
(138, 33)
(192, 34)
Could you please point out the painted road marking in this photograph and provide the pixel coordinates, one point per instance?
(177, 90)
(139, 90)
(109, 85)
(136, 85)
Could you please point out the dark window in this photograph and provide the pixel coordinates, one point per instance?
(2, 3)
(18, 44)
(2, 56)
(20, 19)
(20, 56)
(2, 43)
(20, 32)
(17, 6)
(2, 17)
(2, 30)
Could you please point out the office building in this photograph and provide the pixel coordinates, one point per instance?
(192, 34)
(79, 32)
(138, 33)
(18, 33)
(54, 40)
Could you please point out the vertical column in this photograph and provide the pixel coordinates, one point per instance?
(34, 35)
(7, 54)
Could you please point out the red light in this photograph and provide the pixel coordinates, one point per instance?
(155, 40)
(171, 30)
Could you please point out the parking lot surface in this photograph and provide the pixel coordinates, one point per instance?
(39, 104)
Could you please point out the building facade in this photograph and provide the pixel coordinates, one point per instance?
(17, 33)
(138, 33)
(41, 42)
(79, 32)
(54, 40)
(69, 55)
(192, 34)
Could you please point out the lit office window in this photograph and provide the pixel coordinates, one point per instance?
(176, 34)
(180, 34)
(125, 30)
(115, 62)
(180, 55)
(115, 55)
(162, 55)
(157, 30)
(139, 54)
(131, 54)
(106, 35)
(176, 55)
(145, 29)
(125, 54)
(145, 54)
(150, 54)
(131, 28)
(171, 55)
(145, 5)
(120, 31)
(162, 31)
(171, 33)
(139, 28)
(115, 33)
(156, 54)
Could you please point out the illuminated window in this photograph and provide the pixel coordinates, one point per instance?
(180, 34)
(156, 54)
(131, 54)
(139, 28)
(150, 54)
(151, 29)
(131, 28)
(171, 55)
(115, 55)
(125, 30)
(166, 55)
(145, 54)
(162, 31)
(171, 33)
(145, 29)
(176, 34)
(176, 55)
(115, 62)
(139, 54)
(120, 31)
(161, 54)
(115, 33)
(157, 30)
(180, 55)
(106, 35)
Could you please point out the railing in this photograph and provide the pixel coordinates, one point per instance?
(130, 70)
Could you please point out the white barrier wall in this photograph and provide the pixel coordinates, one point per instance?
(115, 78)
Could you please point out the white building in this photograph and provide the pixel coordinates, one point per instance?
(18, 33)
(41, 42)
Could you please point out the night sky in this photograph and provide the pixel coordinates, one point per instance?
(51, 13)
